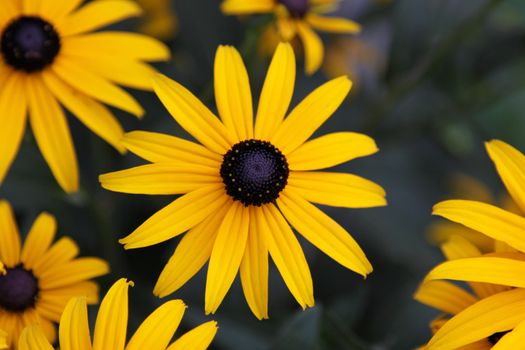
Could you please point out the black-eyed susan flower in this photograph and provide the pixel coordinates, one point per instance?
(500, 315)
(3, 339)
(159, 20)
(38, 279)
(50, 58)
(246, 183)
(155, 333)
(298, 18)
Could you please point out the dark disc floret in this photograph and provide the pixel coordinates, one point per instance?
(18, 289)
(254, 172)
(29, 44)
(297, 8)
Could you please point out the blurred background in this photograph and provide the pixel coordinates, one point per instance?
(432, 79)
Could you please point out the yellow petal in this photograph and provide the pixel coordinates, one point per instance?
(52, 135)
(198, 338)
(157, 330)
(286, 26)
(51, 302)
(13, 109)
(276, 93)
(332, 24)
(3, 340)
(444, 296)
(510, 165)
(93, 114)
(226, 255)
(57, 10)
(74, 327)
(112, 319)
(39, 239)
(330, 150)
(254, 268)
(440, 232)
(10, 9)
(32, 338)
(337, 189)
(512, 340)
(485, 218)
(97, 14)
(310, 114)
(75, 271)
(232, 92)
(163, 178)
(192, 115)
(313, 47)
(323, 232)
(494, 314)
(192, 252)
(9, 236)
(287, 255)
(177, 217)
(245, 7)
(160, 148)
(64, 250)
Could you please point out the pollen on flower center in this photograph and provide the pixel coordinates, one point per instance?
(254, 172)
(29, 44)
(18, 289)
(297, 8)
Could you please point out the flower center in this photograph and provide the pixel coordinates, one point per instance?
(254, 172)
(29, 44)
(297, 8)
(494, 338)
(18, 289)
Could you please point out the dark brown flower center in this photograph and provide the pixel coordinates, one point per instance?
(29, 44)
(18, 289)
(297, 8)
(254, 172)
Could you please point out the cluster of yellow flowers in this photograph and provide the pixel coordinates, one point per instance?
(243, 186)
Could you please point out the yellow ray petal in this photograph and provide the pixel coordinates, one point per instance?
(510, 165)
(192, 115)
(30, 7)
(191, 254)
(160, 148)
(3, 340)
(13, 109)
(444, 296)
(75, 271)
(313, 47)
(33, 338)
(199, 338)
(254, 267)
(50, 304)
(508, 272)
(287, 255)
(232, 92)
(332, 24)
(310, 114)
(61, 252)
(39, 239)
(276, 93)
(95, 86)
(330, 150)
(9, 236)
(112, 319)
(177, 217)
(157, 330)
(57, 10)
(512, 340)
(74, 327)
(163, 178)
(93, 114)
(97, 14)
(226, 255)
(10, 10)
(337, 189)
(52, 135)
(485, 218)
(323, 232)
(494, 314)
(245, 7)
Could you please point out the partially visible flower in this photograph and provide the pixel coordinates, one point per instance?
(39, 278)
(155, 333)
(298, 18)
(159, 19)
(3, 340)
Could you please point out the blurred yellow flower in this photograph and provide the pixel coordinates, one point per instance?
(298, 18)
(154, 333)
(3, 340)
(159, 19)
(246, 184)
(39, 278)
(49, 58)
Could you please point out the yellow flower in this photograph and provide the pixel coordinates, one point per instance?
(3, 340)
(501, 314)
(160, 20)
(298, 18)
(39, 278)
(49, 58)
(154, 333)
(244, 180)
